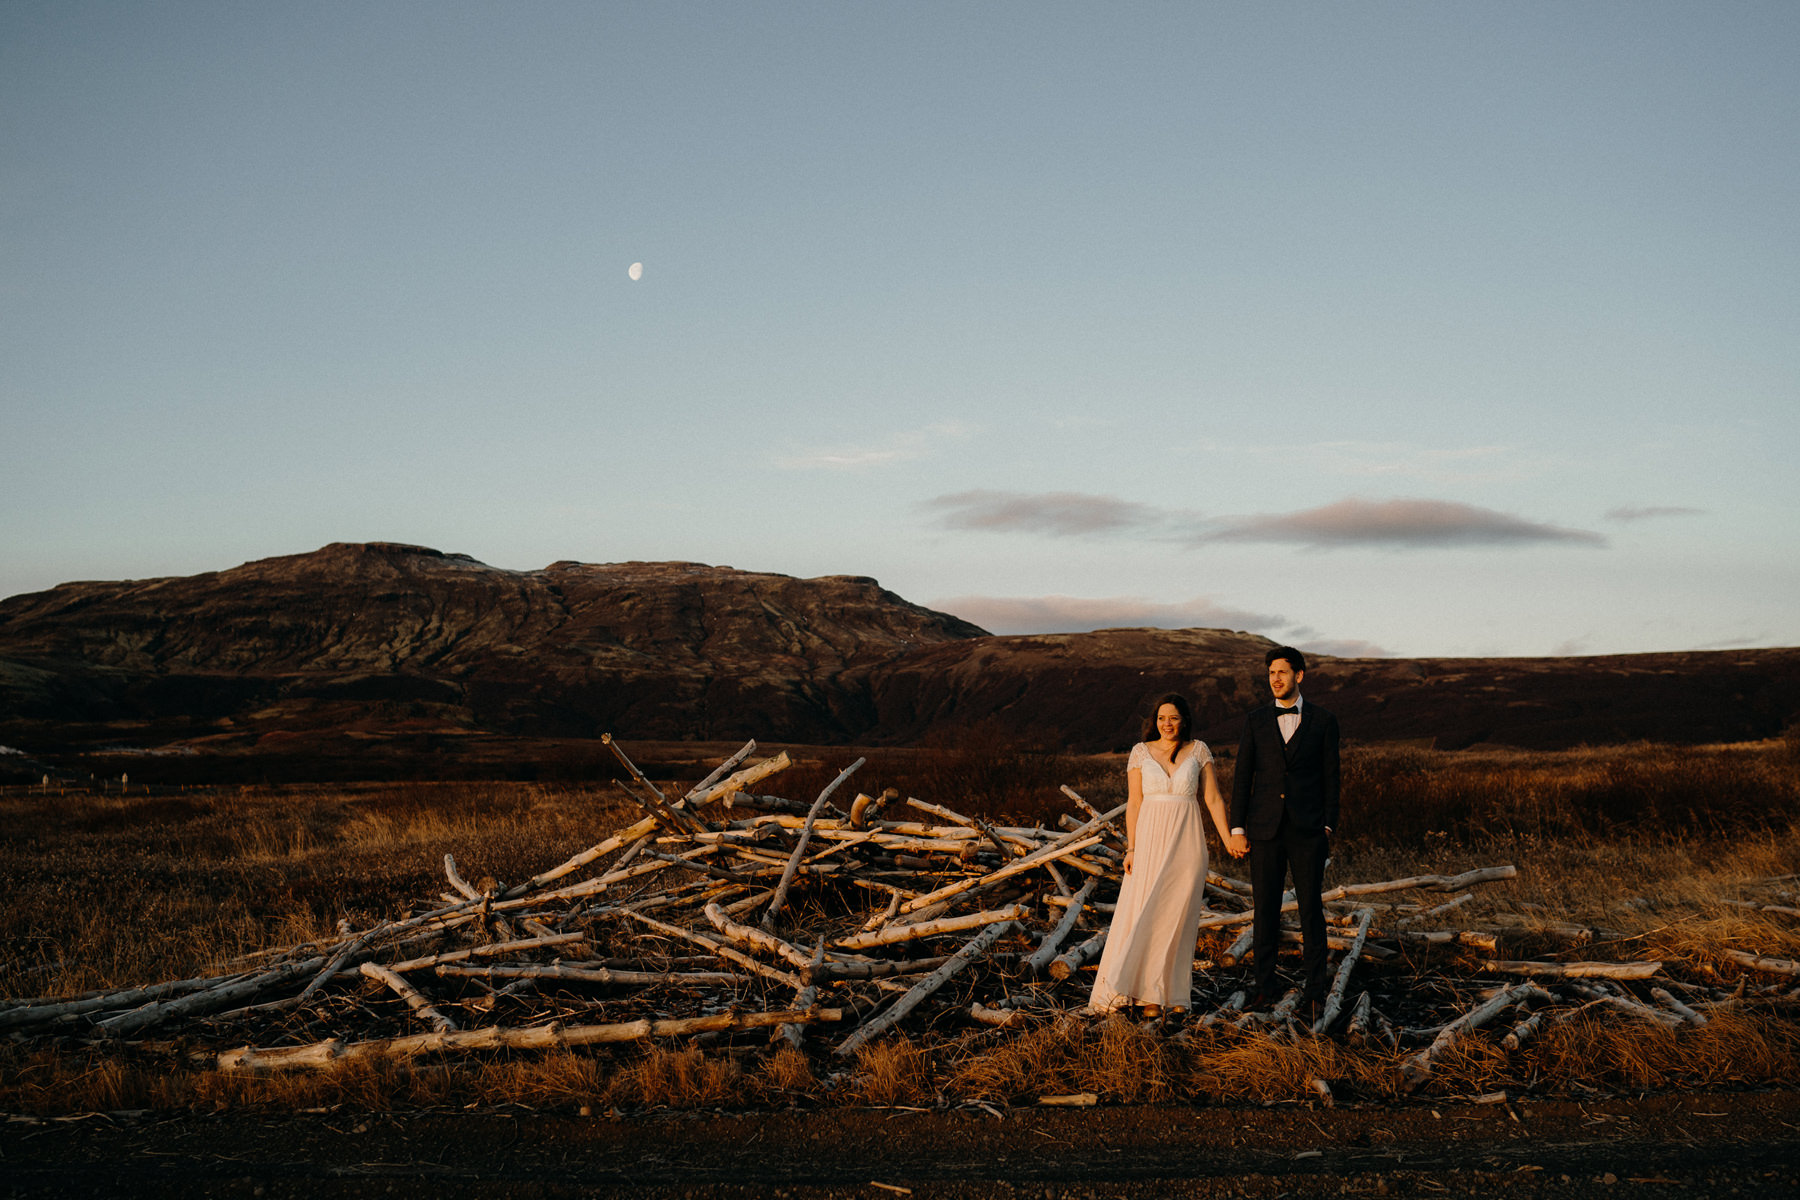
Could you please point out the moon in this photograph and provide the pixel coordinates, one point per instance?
(635, 272)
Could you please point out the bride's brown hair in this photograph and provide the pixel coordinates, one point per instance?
(1183, 734)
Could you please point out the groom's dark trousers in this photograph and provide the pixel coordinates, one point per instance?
(1284, 796)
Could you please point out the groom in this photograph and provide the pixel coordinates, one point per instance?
(1284, 799)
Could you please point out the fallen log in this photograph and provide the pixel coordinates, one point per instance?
(540, 1037)
(1071, 961)
(976, 946)
(1757, 962)
(211, 1000)
(578, 974)
(1016, 866)
(793, 862)
(1046, 950)
(723, 951)
(750, 936)
(1417, 1069)
(414, 998)
(906, 933)
(1334, 999)
(1578, 970)
(489, 951)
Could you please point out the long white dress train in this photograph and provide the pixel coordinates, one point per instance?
(1149, 955)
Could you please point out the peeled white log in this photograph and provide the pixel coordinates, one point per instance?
(1046, 951)
(540, 1037)
(1667, 1000)
(488, 951)
(645, 826)
(407, 992)
(999, 1018)
(575, 974)
(1072, 960)
(756, 937)
(793, 863)
(906, 933)
(882, 918)
(1334, 999)
(831, 972)
(211, 1000)
(1438, 910)
(48, 1012)
(723, 951)
(1094, 814)
(1358, 1030)
(1578, 970)
(1060, 849)
(1523, 1032)
(457, 881)
(1479, 939)
(806, 997)
(1757, 962)
(1239, 950)
(737, 783)
(1417, 1069)
(717, 773)
(973, 949)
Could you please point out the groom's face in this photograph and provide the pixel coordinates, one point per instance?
(1284, 681)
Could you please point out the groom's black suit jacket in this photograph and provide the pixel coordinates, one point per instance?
(1298, 777)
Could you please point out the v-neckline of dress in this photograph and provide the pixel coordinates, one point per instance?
(1166, 772)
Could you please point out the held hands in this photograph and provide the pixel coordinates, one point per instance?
(1237, 845)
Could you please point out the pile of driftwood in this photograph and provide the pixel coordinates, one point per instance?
(723, 910)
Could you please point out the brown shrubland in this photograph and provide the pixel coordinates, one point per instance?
(1647, 844)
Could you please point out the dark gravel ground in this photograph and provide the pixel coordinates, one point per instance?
(1707, 1144)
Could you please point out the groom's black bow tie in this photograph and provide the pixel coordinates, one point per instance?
(1287, 712)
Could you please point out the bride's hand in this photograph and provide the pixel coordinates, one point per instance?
(1128, 855)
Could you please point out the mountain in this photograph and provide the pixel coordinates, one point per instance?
(354, 646)
(666, 650)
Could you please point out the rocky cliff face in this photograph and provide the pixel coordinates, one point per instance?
(381, 641)
(659, 649)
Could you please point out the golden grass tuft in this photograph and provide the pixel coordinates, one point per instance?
(685, 1077)
(893, 1070)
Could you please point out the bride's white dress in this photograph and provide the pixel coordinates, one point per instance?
(1149, 955)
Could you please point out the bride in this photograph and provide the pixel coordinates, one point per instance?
(1149, 955)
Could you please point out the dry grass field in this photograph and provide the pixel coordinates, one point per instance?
(1651, 842)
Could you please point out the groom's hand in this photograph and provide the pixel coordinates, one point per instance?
(1237, 845)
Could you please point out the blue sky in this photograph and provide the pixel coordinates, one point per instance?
(1417, 328)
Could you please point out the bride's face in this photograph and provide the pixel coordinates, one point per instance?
(1168, 722)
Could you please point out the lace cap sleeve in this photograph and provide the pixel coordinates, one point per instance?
(1202, 755)
(1140, 758)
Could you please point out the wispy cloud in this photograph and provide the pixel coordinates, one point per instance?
(903, 446)
(1058, 514)
(1414, 523)
(1077, 614)
(1645, 512)
(1397, 524)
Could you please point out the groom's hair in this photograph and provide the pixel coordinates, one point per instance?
(1295, 659)
(1186, 732)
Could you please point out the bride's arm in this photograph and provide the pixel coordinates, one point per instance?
(1215, 802)
(1134, 800)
